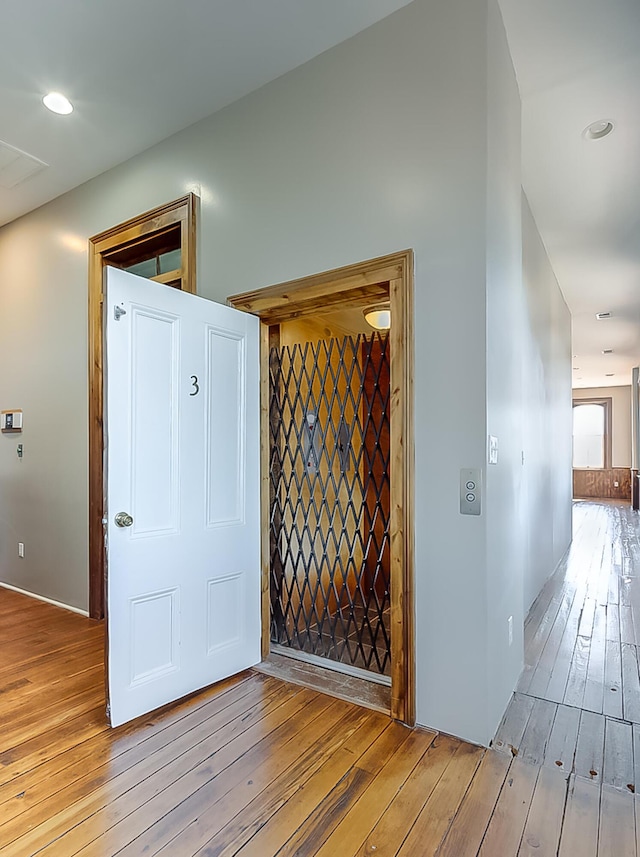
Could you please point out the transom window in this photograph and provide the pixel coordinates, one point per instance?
(592, 434)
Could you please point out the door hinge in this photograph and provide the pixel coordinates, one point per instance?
(118, 312)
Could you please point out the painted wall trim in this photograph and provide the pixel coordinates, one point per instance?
(46, 600)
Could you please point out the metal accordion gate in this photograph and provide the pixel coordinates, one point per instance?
(329, 443)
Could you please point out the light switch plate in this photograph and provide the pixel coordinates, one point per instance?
(470, 491)
(11, 420)
(493, 449)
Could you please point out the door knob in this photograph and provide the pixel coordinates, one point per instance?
(123, 519)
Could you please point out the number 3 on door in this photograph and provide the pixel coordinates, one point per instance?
(196, 388)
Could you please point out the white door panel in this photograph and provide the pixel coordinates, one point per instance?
(182, 418)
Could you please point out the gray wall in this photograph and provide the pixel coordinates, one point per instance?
(504, 302)
(380, 144)
(546, 413)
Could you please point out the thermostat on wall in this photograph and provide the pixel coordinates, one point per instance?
(11, 420)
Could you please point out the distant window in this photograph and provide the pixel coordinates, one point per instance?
(591, 434)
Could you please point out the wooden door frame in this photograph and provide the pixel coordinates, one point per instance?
(182, 211)
(363, 283)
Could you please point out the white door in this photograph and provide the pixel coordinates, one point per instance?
(182, 437)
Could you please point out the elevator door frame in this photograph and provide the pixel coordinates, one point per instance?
(357, 285)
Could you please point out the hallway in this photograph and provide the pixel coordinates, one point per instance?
(573, 727)
(256, 766)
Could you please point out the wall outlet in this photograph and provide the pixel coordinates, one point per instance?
(21, 550)
(616, 484)
(510, 626)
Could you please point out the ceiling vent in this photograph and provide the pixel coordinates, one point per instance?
(601, 315)
(16, 166)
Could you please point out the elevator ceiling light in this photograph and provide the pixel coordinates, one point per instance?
(379, 317)
(598, 130)
(57, 103)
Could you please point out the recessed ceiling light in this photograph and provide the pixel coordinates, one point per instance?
(598, 130)
(601, 315)
(58, 103)
(608, 351)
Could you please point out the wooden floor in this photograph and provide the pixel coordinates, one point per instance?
(574, 724)
(259, 767)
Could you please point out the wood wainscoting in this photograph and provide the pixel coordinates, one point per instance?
(588, 484)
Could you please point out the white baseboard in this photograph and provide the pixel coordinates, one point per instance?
(46, 600)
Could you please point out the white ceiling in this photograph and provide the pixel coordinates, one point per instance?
(578, 61)
(140, 71)
(137, 71)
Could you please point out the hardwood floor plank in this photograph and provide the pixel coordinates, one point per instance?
(38, 750)
(352, 831)
(544, 822)
(206, 819)
(391, 831)
(617, 824)
(561, 747)
(506, 827)
(26, 698)
(577, 680)
(618, 755)
(536, 643)
(585, 628)
(470, 824)
(636, 756)
(594, 686)
(511, 730)
(546, 662)
(590, 747)
(613, 618)
(103, 807)
(630, 684)
(557, 685)
(339, 800)
(581, 820)
(101, 759)
(293, 823)
(537, 732)
(627, 631)
(432, 825)
(612, 704)
(634, 589)
(613, 598)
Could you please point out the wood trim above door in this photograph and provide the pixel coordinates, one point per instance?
(388, 277)
(102, 247)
